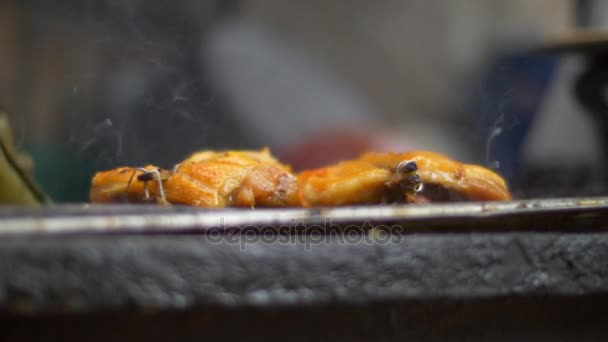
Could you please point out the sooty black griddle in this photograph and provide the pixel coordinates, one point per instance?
(533, 270)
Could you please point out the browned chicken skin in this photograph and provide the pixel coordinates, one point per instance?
(357, 182)
(205, 179)
(470, 182)
(255, 178)
(371, 179)
(123, 185)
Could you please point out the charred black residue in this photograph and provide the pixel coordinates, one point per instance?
(145, 177)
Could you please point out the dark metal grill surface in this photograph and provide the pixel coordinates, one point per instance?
(534, 270)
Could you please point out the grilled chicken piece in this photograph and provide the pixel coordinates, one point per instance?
(445, 179)
(128, 184)
(255, 178)
(205, 179)
(380, 177)
(233, 178)
(358, 182)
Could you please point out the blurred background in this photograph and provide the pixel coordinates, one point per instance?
(96, 84)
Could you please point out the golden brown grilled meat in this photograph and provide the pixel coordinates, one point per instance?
(255, 178)
(377, 178)
(122, 185)
(357, 182)
(438, 172)
(205, 179)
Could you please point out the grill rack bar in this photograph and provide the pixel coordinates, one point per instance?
(563, 214)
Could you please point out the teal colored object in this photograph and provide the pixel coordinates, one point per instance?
(63, 174)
